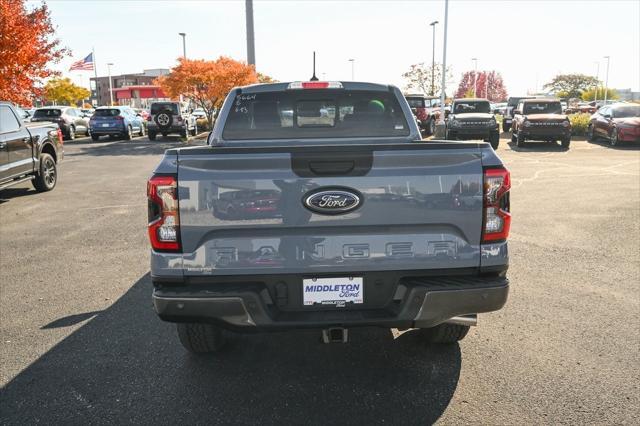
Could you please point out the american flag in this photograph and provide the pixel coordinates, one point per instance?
(85, 64)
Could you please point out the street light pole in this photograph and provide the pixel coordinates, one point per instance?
(184, 45)
(251, 47)
(353, 74)
(110, 84)
(444, 67)
(606, 82)
(433, 57)
(475, 76)
(595, 93)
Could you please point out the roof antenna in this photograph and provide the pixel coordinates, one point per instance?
(314, 78)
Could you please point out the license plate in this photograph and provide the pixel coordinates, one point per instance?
(105, 124)
(332, 291)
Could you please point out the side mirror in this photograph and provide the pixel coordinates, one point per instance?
(517, 111)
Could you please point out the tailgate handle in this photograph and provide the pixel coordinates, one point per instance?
(331, 167)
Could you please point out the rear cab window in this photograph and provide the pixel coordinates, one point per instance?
(315, 113)
(415, 102)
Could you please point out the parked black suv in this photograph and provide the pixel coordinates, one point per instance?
(472, 119)
(170, 117)
(512, 102)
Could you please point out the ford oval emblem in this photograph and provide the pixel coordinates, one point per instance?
(332, 201)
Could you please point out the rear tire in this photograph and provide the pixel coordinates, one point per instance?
(494, 140)
(201, 338)
(613, 139)
(431, 126)
(194, 131)
(565, 142)
(128, 135)
(445, 333)
(505, 127)
(152, 136)
(184, 133)
(95, 138)
(590, 136)
(71, 134)
(47, 176)
(142, 130)
(520, 140)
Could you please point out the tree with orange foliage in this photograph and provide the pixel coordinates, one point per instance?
(27, 47)
(207, 83)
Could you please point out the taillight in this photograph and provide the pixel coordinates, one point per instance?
(179, 119)
(148, 118)
(119, 118)
(497, 218)
(164, 219)
(60, 138)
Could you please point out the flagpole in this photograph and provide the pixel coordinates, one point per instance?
(95, 70)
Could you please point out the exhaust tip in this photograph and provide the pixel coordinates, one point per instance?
(470, 320)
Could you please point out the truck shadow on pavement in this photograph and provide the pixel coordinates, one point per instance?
(536, 146)
(126, 366)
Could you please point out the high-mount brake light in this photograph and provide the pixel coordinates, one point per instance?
(164, 218)
(497, 218)
(315, 85)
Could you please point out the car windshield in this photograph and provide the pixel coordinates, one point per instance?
(47, 113)
(158, 107)
(416, 102)
(542, 108)
(513, 101)
(626, 112)
(471, 107)
(318, 113)
(107, 112)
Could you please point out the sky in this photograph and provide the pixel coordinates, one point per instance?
(528, 42)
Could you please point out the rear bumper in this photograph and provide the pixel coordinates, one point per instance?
(417, 302)
(153, 127)
(106, 130)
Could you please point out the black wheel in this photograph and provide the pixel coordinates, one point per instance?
(142, 130)
(590, 135)
(505, 127)
(494, 140)
(613, 138)
(201, 338)
(194, 131)
(128, 135)
(431, 126)
(95, 137)
(71, 134)
(152, 136)
(565, 142)
(445, 333)
(87, 132)
(520, 140)
(184, 133)
(47, 174)
(513, 138)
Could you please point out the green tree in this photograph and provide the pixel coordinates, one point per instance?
(419, 78)
(572, 85)
(587, 95)
(63, 91)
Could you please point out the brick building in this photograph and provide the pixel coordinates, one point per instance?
(136, 90)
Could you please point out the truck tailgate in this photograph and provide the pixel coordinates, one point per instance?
(242, 210)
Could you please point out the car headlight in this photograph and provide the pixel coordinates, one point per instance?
(454, 123)
(526, 123)
(491, 123)
(566, 123)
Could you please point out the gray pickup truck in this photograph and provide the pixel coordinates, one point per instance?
(28, 151)
(317, 205)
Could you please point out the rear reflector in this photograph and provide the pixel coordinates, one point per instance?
(164, 219)
(497, 218)
(315, 85)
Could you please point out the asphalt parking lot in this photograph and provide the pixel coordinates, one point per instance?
(80, 342)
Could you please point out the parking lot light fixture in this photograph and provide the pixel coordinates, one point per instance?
(184, 45)
(353, 75)
(433, 56)
(475, 76)
(440, 129)
(606, 81)
(595, 93)
(110, 84)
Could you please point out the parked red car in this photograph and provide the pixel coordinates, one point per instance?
(616, 123)
(427, 111)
